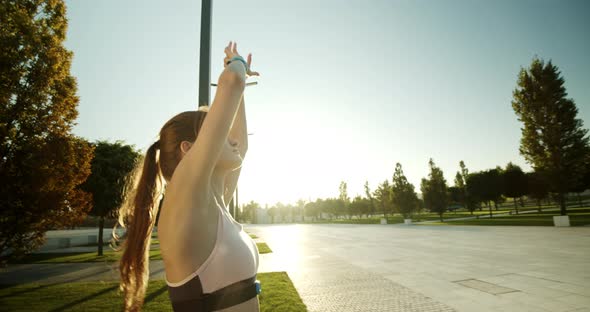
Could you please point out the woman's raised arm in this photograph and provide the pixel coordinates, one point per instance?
(203, 156)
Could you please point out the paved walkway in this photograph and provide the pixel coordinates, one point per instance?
(465, 268)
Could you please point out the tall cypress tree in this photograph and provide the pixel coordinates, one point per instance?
(41, 162)
(434, 190)
(405, 199)
(553, 140)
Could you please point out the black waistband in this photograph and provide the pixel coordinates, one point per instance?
(223, 298)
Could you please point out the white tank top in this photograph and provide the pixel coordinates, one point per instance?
(234, 257)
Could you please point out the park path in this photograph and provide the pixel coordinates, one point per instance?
(344, 267)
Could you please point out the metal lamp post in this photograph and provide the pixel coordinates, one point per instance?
(205, 54)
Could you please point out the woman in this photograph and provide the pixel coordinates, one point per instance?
(210, 262)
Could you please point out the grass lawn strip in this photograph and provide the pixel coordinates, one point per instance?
(278, 294)
(529, 216)
(263, 248)
(578, 217)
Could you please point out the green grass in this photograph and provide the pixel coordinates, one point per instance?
(415, 218)
(253, 236)
(263, 248)
(578, 217)
(278, 294)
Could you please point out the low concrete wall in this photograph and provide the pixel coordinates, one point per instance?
(72, 238)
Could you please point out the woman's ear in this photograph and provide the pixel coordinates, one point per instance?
(185, 146)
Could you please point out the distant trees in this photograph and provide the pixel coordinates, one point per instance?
(434, 190)
(455, 195)
(369, 197)
(471, 190)
(383, 198)
(272, 212)
(42, 163)
(467, 199)
(405, 199)
(515, 183)
(537, 187)
(249, 211)
(344, 199)
(312, 209)
(360, 206)
(283, 210)
(495, 185)
(553, 139)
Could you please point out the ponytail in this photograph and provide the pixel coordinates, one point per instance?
(138, 216)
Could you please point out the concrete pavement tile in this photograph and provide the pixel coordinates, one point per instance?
(465, 305)
(547, 292)
(576, 300)
(576, 289)
(517, 307)
(540, 302)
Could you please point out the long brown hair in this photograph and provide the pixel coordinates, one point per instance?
(144, 187)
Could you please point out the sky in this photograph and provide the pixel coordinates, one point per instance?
(346, 90)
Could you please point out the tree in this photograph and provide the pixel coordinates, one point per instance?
(383, 198)
(489, 187)
(370, 198)
(434, 190)
(299, 208)
(537, 187)
(311, 209)
(249, 211)
(41, 162)
(343, 196)
(320, 206)
(553, 139)
(405, 199)
(496, 185)
(455, 196)
(476, 188)
(291, 212)
(460, 177)
(111, 165)
(340, 207)
(333, 206)
(515, 183)
(358, 206)
(283, 211)
(272, 212)
(459, 190)
(580, 185)
(465, 198)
